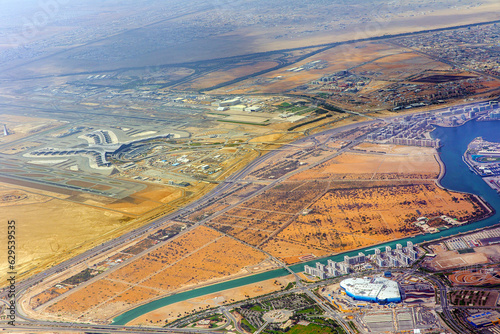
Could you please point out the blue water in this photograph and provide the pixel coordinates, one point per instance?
(458, 177)
(476, 157)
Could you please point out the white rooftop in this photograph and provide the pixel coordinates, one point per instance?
(378, 287)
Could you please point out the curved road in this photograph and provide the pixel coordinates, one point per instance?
(234, 180)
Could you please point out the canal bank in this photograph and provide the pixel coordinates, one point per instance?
(456, 177)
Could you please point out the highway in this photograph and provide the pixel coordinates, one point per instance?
(230, 184)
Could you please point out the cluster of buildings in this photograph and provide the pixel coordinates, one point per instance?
(458, 115)
(423, 223)
(342, 81)
(413, 130)
(312, 65)
(472, 48)
(333, 269)
(236, 104)
(401, 256)
(408, 130)
(470, 111)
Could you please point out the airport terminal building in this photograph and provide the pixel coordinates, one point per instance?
(377, 290)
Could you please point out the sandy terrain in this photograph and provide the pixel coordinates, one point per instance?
(87, 297)
(169, 253)
(221, 258)
(69, 229)
(287, 248)
(21, 126)
(360, 198)
(172, 312)
(378, 214)
(197, 256)
(399, 163)
(161, 194)
(338, 58)
(252, 236)
(452, 259)
(283, 202)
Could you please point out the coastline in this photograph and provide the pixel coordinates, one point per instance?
(442, 172)
(482, 201)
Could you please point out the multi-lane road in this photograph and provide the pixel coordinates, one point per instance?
(230, 184)
(227, 186)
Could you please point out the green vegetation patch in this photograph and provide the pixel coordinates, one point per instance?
(257, 307)
(311, 329)
(285, 105)
(247, 326)
(81, 277)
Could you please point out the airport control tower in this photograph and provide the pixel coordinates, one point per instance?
(5, 132)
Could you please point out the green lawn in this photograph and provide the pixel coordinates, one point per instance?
(257, 307)
(310, 329)
(247, 326)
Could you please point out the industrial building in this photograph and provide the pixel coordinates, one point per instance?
(484, 319)
(231, 102)
(377, 290)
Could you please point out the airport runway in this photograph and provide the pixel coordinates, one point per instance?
(233, 181)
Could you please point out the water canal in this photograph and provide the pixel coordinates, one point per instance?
(457, 177)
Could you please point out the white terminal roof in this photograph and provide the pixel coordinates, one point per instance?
(378, 287)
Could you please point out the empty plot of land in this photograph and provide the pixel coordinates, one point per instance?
(287, 248)
(279, 201)
(217, 77)
(249, 235)
(195, 257)
(452, 259)
(46, 229)
(223, 257)
(165, 255)
(89, 296)
(405, 320)
(398, 66)
(264, 220)
(357, 166)
(344, 219)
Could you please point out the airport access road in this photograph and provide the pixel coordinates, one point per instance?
(219, 192)
(208, 199)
